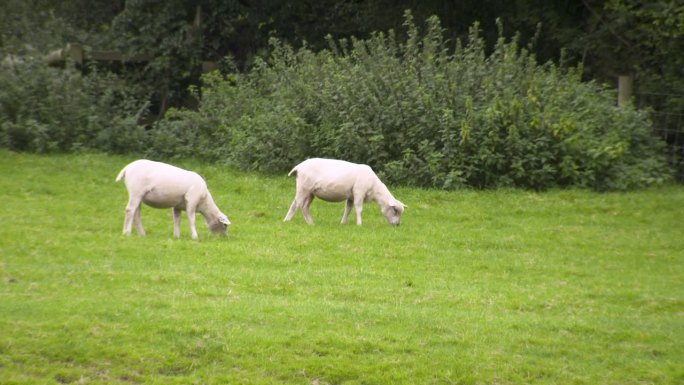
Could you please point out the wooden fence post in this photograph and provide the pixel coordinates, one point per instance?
(625, 84)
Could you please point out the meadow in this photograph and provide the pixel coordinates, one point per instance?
(475, 287)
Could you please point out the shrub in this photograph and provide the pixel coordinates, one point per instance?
(45, 109)
(425, 115)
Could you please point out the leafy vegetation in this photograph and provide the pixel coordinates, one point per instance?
(505, 286)
(641, 37)
(420, 111)
(44, 109)
(421, 115)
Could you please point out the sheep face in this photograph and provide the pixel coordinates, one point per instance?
(220, 225)
(392, 212)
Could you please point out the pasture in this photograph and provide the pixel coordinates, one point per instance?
(475, 287)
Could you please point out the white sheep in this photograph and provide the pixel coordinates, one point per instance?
(161, 185)
(337, 180)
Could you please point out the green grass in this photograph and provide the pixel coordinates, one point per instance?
(502, 287)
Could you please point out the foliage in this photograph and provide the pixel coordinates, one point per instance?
(644, 39)
(607, 37)
(164, 32)
(44, 109)
(637, 37)
(423, 115)
(413, 126)
(561, 287)
(33, 27)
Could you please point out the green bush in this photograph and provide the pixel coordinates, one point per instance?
(45, 109)
(422, 114)
(420, 111)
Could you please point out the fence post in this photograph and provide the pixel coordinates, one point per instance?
(625, 84)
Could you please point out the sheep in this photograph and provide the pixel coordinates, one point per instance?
(337, 180)
(162, 185)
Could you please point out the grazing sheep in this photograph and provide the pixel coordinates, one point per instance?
(161, 185)
(337, 180)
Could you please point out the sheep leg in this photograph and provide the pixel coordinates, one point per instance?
(358, 204)
(176, 222)
(302, 200)
(191, 219)
(305, 209)
(138, 221)
(292, 211)
(132, 208)
(347, 210)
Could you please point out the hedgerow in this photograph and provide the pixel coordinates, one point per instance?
(421, 110)
(44, 109)
(422, 114)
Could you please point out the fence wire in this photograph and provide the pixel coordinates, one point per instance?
(667, 114)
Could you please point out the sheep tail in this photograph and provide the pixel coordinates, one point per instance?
(122, 174)
(293, 171)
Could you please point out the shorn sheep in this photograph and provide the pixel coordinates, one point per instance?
(337, 180)
(161, 185)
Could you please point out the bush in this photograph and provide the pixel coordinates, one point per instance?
(45, 109)
(424, 115)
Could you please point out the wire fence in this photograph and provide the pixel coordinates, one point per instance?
(667, 114)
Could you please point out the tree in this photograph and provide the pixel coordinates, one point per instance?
(638, 37)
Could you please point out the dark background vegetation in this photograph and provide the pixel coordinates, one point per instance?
(546, 120)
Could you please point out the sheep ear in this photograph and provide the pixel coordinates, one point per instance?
(401, 204)
(224, 219)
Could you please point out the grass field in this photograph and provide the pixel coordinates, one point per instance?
(502, 287)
